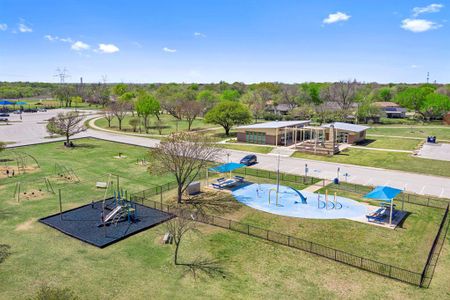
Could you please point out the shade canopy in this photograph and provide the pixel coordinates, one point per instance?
(6, 102)
(228, 167)
(383, 193)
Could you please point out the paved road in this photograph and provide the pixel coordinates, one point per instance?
(32, 130)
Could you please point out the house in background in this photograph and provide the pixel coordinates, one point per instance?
(281, 109)
(391, 109)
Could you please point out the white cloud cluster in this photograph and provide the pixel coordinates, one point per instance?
(336, 17)
(53, 38)
(432, 8)
(107, 48)
(419, 25)
(165, 49)
(3, 27)
(199, 34)
(24, 28)
(80, 46)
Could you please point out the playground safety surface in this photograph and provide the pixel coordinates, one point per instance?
(82, 223)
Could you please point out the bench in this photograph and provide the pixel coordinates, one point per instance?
(101, 185)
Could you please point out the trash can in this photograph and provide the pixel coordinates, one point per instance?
(336, 181)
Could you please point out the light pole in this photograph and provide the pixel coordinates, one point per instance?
(338, 170)
(306, 170)
(278, 175)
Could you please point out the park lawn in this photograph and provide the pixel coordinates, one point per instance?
(389, 143)
(247, 148)
(141, 267)
(386, 160)
(170, 124)
(441, 132)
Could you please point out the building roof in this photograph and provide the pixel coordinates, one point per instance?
(385, 104)
(347, 126)
(273, 125)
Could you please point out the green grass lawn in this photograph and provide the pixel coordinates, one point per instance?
(170, 124)
(441, 132)
(141, 267)
(389, 143)
(387, 160)
(248, 148)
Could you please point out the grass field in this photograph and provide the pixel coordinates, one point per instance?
(441, 132)
(141, 267)
(389, 143)
(53, 103)
(170, 124)
(384, 159)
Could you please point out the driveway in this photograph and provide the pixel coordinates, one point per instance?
(32, 130)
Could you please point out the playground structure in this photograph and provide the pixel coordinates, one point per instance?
(32, 190)
(64, 173)
(327, 204)
(119, 208)
(14, 163)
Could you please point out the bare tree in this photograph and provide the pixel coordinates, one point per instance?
(177, 228)
(66, 124)
(343, 93)
(184, 155)
(108, 114)
(289, 95)
(190, 110)
(255, 103)
(120, 110)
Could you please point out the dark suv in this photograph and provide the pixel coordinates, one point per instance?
(249, 160)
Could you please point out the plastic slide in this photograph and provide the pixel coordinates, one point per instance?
(300, 194)
(113, 213)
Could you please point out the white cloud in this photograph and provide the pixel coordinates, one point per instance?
(419, 25)
(23, 27)
(199, 34)
(107, 48)
(80, 46)
(3, 26)
(50, 37)
(66, 40)
(414, 66)
(336, 17)
(165, 49)
(432, 8)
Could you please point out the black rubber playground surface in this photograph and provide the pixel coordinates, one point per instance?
(82, 223)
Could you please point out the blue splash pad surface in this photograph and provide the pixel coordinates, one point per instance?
(290, 203)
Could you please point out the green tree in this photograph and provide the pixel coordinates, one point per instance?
(146, 105)
(435, 105)
(384, 94)
(120, 89)
(413, 98)
(76, 99)
(228, 114)
(230, 95)
(207, 98)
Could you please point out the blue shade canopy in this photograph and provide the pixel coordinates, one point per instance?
(20, 103)
(383, 193)
(228, 167)
(6, 102)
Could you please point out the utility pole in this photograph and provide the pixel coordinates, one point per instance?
(428, 77)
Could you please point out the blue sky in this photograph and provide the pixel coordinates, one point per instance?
(231, 40)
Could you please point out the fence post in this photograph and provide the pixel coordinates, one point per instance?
(428, 201)
(229, 224)
(248, 229)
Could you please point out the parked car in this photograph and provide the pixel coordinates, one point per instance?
(4, 115)
(249, 160)
(17, 112)
(42, 110)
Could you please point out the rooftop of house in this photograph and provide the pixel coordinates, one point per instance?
(274, 124)
(385, 104)
(347, 126)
